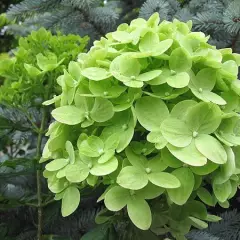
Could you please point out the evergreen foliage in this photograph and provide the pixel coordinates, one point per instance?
(220, 19)
(227, 228)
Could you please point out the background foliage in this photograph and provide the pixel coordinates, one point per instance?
(219, 18)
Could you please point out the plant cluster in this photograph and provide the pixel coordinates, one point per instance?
(151, 112)
(39, 58)
(29, 79)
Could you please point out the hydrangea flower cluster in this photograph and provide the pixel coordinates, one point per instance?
(151, 112)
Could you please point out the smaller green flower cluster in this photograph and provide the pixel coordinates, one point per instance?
(39, 58)
(151, 110)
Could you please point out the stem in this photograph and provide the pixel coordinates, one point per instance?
(35, 127)
(38, 155)
(39, 173)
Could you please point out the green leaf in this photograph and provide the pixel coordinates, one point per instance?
(222, 191)
(84, 103)
(106, 89)
(124, 67)
(147, 76)
(205, 79)
(196, 209)
(198, 223)
(229, 70)
(116, 198)
(211, 148)
(206, 169)
(205, 196)
(179, 80)
(69, 115)
(32, 71)
(70, 201)
(77, 173)
(176, 132)
(180, 109)
(179, 60)
(136, 160)
(182, 194)
(102, 110)
(140, 218)
(151, 191)
(102, 169)
(213, 218)
(189, 155)
(156, 164)
(122, 36)
(226, 170)
(47, 63)
(74, 70)
(57, 186)
(57, 164)
(151, 112)
(92, 147)
(158, 139)
(162, 78)
(95, 73)
(132, 178)
(204, 118)
(162, 47)
(164, 180)
(169, 159)
(212, 97)
(148, 42)
(235, 86)
(198, 181)
(106, 156)
(225, 204)
(70, 151)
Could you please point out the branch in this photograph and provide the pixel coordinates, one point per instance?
(38, 155)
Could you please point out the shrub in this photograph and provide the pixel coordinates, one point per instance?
(38, 58)
(151, 113)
